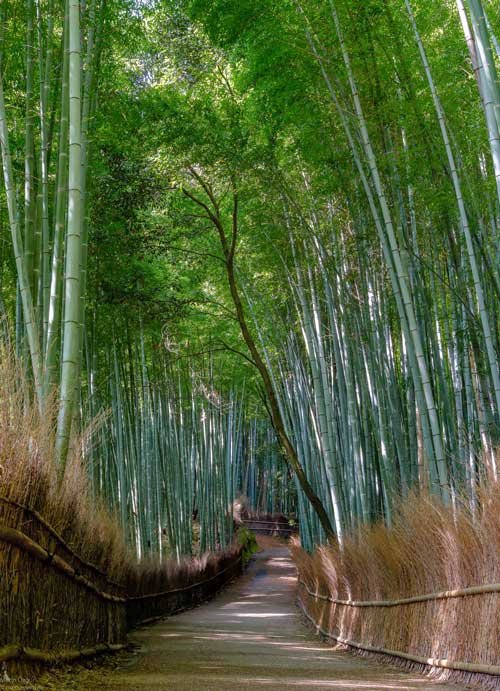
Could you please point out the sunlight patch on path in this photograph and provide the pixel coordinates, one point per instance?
(251, 636)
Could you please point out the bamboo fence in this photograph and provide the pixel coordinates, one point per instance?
(450, 632)
(59, 607)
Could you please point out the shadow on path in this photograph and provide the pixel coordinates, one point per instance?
(251, 636)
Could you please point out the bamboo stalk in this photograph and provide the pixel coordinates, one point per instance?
(70, 369)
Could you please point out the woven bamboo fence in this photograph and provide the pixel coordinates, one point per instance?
(57, 606)
(454, 633)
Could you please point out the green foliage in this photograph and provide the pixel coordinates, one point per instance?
(255, 98)
(246, 538)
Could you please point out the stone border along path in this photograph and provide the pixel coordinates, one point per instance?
(250, 637)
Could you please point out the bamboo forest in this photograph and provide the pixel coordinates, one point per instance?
(249, 344)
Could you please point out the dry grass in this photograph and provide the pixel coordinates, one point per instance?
(150, 576)
(42, 608)
(28, 476)
(429, 550)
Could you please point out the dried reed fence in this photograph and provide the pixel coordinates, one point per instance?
(69, 587)
(426, 592)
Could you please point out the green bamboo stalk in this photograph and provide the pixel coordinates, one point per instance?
(60, 213)
(29, 163)
(464, 221)
(20, 258)
(72, 278)
(45, 69)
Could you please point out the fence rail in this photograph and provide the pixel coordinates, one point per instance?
(185, 588)
(18, 539)
(458, 666)
(53, 532)
(261, 525)
(441, 595)
(16, 652)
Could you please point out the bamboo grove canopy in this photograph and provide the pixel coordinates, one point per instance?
(225, 222)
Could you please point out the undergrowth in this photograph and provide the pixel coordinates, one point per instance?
(246, 538)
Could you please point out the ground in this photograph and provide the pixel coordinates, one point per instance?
(252, 636)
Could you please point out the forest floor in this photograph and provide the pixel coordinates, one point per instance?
(251, 636)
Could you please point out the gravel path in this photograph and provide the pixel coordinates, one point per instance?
(250, 637)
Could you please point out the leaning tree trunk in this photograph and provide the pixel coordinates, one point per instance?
(228, 243)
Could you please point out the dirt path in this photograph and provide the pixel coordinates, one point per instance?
(250, 637)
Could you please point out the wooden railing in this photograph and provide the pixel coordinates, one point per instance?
(269, 526)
